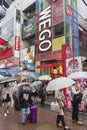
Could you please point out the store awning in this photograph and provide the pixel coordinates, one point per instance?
(47, 66)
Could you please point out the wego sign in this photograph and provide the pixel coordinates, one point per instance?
(44, 30)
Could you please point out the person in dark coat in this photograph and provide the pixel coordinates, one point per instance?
(25, 102)
(42, 94)
(75, 105)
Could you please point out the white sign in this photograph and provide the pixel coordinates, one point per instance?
(73, 64)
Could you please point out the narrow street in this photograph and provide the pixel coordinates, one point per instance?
(46, 120)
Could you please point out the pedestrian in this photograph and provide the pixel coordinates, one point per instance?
(25, 103)
(6, 99)
(75, 104)
(42, 94)
(60, 98)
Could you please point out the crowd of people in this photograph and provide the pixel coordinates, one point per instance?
(26, 100)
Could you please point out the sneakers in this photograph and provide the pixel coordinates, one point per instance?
(79, 122)
(8, 112)
(59, 125)
(5, 114)
(66, 128)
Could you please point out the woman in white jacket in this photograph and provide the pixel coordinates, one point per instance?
(60, 98)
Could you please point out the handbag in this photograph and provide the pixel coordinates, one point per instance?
(55, 106)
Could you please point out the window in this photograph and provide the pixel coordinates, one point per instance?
(58, 30)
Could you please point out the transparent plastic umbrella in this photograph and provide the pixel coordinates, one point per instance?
(59, 83)
(44, 77)
(36, 83)
(78, 75)
(21, 85)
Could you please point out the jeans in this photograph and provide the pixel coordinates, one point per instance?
(75, 111)
(42, 101)
(25, 113)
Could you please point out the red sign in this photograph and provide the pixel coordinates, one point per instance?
(68, 52)
(17, 43)
(69, 11)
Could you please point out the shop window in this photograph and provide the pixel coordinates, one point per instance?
(58, 30)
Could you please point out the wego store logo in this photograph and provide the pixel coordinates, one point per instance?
(44, 29)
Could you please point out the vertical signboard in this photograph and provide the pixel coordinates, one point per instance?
(72, 26)
(43, 32)
(16, 50)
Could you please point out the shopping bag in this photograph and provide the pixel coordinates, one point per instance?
(55, 106)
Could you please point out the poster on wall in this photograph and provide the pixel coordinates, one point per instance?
(28, 58)
(73, 64)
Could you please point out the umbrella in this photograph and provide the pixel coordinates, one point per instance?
(7, 79)
(36, 83)
(21, 85)
(44, 77)
(78, 75)
(59, 83)
(1, 76)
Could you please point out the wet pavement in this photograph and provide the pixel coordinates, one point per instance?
(46, 120)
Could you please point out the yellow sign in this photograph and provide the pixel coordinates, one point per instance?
(57, 43)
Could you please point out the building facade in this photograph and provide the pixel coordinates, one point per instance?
(53, 31)
(58, 35)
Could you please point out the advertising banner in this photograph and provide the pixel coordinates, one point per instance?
(5, 49)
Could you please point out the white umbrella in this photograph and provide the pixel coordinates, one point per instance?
(78, 75)
(44, 77)
(59, 83)
(21, 85)
(36, 83)
(1, 76)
